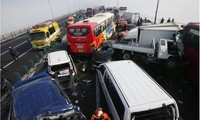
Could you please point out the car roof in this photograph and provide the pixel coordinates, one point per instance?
(98, 18)
(138, 89)
(173, 26)
(58, 57)
(37, 96)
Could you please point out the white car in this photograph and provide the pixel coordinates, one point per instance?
(131, 94)
(62, 67)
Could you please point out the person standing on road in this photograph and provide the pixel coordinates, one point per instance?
(13, 52)
(169, 20)
(100, 115)
(162, 20)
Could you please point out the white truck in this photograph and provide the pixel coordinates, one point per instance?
(154, 42)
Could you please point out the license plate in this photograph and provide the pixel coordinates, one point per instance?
(79, 46)
(80, 50)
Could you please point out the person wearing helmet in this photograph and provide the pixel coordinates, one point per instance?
(100, 115)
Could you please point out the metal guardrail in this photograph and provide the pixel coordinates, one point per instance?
(6, 98)
(20, 31)
(14, 34)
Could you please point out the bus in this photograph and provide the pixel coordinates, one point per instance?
(191, 50)
(88, 35)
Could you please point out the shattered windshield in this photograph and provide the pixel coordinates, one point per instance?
(73, 114)
(67, 115)
(37, 36)
(60, 67)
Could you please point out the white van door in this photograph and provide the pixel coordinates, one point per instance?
(106, 93)
(74, 66)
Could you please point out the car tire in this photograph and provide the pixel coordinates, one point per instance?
(171, 63)
(126, 56)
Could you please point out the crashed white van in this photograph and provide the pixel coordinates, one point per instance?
(131, 94)
(62, 67)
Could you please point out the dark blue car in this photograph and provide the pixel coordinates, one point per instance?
(41, 98)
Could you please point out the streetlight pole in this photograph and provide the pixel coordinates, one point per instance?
(117, 4)
(68, 6)
(156, 12)
(51, 9)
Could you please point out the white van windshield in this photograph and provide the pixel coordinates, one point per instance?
(60, 67)
(163, 113)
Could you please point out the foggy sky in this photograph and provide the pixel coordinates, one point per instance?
(16, 14)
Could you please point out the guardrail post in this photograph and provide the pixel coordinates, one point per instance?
(18, 76)
(25, 69)
(45, 50)
(41, 54)
(36, 59)
(48, 48)
(8, 85)
(31, 63)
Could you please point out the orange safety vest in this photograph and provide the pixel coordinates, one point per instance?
(104, 116)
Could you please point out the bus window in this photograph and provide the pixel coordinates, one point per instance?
(191, 51)
(103, 26)
(97, 30)
(192, 39)
(78, 31)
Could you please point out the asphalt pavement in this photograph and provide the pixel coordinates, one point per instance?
(175, 82)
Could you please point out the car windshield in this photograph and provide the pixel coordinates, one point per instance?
(64, 66)
(65, 115)
(37, 36)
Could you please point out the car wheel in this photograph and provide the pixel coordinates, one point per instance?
(126, 56)
(171, 63)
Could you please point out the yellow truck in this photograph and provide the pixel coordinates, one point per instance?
(44, 34)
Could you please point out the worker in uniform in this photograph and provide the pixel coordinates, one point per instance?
(121, 28)
(169, 20)
(100, 115)
(162, 20)
(70, 20)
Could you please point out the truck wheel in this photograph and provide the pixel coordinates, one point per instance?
(59, 40)
(126, 56)
(171, 63)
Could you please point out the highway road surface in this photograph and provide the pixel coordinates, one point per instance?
(173, 81)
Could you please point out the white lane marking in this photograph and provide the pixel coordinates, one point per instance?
(19, 37)
(14, 47)
(21, 54)
(18, 58)
(13, 40)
